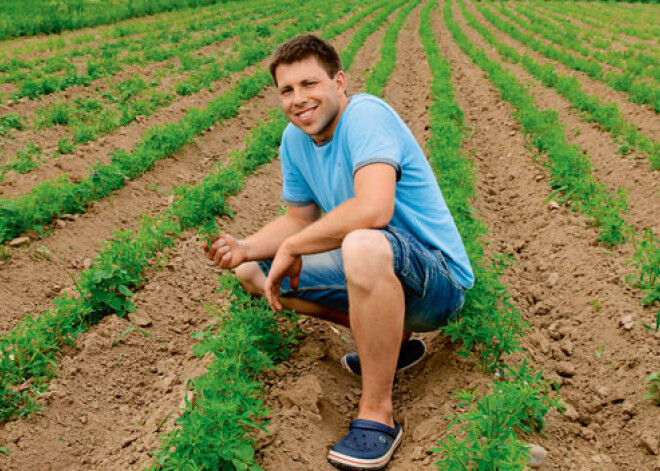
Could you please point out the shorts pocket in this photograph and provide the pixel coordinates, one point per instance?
(415, 271)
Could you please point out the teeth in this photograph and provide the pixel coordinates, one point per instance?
(306, 114)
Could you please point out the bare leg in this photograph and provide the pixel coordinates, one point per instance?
(252, 279)
(376, 316)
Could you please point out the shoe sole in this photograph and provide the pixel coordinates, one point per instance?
(351, 463)
(346, 366)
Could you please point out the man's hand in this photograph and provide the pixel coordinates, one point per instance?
(284, 264)
(226, 252)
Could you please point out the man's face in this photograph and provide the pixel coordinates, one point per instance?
(310, 98)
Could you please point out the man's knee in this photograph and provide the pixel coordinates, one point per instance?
(251, 278)
(366, 254)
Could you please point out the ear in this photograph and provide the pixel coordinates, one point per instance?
(340, 80)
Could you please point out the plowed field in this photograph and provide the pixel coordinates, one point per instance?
(121, 384)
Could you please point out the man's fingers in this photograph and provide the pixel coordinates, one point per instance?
(271, 290)
(293, 281)
(225, 260)
(267, 292)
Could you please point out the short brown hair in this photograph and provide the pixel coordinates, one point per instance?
(303, 46)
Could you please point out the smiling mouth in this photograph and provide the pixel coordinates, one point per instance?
(306, 115)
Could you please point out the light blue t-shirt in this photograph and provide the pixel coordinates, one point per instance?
(370, 131)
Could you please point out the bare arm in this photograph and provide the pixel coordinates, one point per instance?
(265, 243)
(371, 207)
(227, 252)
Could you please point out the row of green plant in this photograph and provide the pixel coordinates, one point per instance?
(360, 36)
(647, 245)
(597, 37)
(216, 430)
(646, 259)
(594, 17)
(639, 63)
(111, 58)
(102, 113)
(380, 72)
(28, 352)
(638, 16)
(41, 48)
(41, 64)
(607, 115)
(638, 91)
(26, 18)
(485, 437)
(62, 196)
(570, 169)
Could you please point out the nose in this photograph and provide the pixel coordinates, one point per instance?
(299, 96)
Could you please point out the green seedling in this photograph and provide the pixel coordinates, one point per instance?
(654, 388)
(64, 146)
(43, 253)
(595, 303)
(26, 159)
(5, 252)
(646, 260)
(599, 351)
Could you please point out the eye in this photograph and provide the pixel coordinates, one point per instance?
(310, 84)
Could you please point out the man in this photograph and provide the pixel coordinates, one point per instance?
(385, 259)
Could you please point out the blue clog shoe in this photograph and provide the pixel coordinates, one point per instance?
(368, 445)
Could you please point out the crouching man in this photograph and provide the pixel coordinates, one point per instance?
(385, 259)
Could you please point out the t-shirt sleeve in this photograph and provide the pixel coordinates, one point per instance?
(295, 191)
(374, 136)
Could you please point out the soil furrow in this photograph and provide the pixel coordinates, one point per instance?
(641, 116)
(125, 138)
(26, 107)
(126, 396)
(72, 245)
(47, 138)
(585, 26)
(570, 289)
(631, 172)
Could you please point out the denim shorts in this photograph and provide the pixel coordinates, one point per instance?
(432, 293)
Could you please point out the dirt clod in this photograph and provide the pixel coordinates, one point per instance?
(140, 319)
(537, 455)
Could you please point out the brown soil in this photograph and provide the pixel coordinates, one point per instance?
(111, 403)
(113, 398)
(73, 244)
(641, 116)
(624, 37)
(631, 172)
(569, 288)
